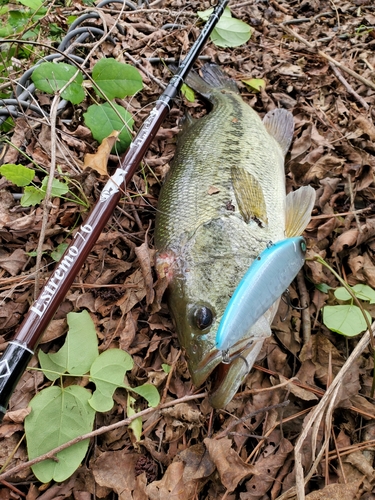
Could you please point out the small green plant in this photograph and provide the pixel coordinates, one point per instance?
(229, 31)
(61, 413)
(111, 79)
(348, 319)
(33, 194)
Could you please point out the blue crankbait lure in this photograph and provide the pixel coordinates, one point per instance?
(266, 279)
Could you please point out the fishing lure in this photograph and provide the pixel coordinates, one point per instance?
(266, 279)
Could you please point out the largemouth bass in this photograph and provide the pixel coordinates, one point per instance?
(222, 203)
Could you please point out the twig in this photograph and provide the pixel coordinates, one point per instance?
(46, 202)
(305, 312)
(144, 70)
(247, 416)
(348, 87)
(329, 58)
(102, 430)
(326, 405)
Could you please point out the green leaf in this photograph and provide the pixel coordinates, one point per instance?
(108, 372)
(31, 196)
(188, 92)
(205, 14)
(364, 292)
(323, 287)
(346, 320)
(229, 32)
(18, 174)
(32, 4)
(342, 293)
(255, 84)
(58, 188)
(58, 252)
(78, 352)
(149, 392)
(102, 120)
(57, 416)
(116, 79)
(166, 368)
(52, 77)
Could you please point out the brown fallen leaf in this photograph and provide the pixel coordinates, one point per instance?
(301, 393)
(232, 469)
(98, 161)
(336, 492)
(268, 466)
(173, 486)
(198, 462)
(145, 258)
(14, 262)
(116, 470)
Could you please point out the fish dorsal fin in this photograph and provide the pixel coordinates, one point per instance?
(249, 196)
(299, 205)
(280, 124)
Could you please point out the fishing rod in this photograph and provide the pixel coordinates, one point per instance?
(20, 350)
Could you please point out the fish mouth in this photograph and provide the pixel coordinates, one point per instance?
(225, 378)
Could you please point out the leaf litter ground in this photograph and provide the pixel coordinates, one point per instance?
(304, 413)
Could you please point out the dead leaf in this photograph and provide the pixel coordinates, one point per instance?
(184, 412)
(116, 470)
(267, 466)
(366, 126)
(14, 262)
(99, 160)
(198, 464)
(145, 257)
(172, 486)
(54, 330)
(336, 492)
(301, 393)
(135, 293)
(232, 469)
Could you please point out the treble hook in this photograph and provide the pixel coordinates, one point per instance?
(286, 298)
(227, 360)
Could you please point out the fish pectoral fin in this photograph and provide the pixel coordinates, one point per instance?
(249, 196)
(280, 124)
(299, 205)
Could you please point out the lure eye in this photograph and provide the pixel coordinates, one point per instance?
(203, 317)
(303, 246)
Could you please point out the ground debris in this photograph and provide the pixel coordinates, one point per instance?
(188, 451)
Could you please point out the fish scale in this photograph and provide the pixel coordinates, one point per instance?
(222, 202)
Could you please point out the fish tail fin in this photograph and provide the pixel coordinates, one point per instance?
(299, 205)
(212, 77)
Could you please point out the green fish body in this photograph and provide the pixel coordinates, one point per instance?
(223, 201)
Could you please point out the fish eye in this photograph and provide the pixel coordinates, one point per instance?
(203, 317)
(303, 246)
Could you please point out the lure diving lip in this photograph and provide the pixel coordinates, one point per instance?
(264, 282)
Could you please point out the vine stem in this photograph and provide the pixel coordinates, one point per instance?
(319, 259)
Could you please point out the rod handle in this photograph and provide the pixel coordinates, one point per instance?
(13, 363)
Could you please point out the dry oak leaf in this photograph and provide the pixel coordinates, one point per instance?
(145, 258)
(116, 470)
(336, 492)
(99, 160)
(268, 467)
(232, 469)
(172, 485)
(14, 262)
